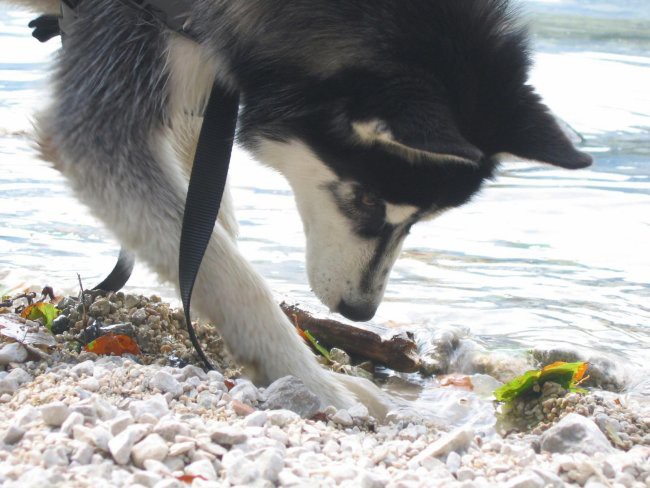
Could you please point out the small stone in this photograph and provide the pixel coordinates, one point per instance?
(207, 400)
(227, 436)
(241, 408)
(342, 418)
(13, 434)
(139, 316)
(151, 447)
(101, 308)
(245, 392)
(269, 464)
(339, 356)
(19, 375)
(290, 393)
(166, 383)
(526, 480)
(191, 371)
(359, 412)
(202, 468)
(118, 424)
(156, 406)
(89, 384)
(243, 472)
(60, 325)
(55, 456)
(55, 413)
(181, 448)
(8, 386)
(368, 479)
(131, 301)
(168, 428)
(122, 444)
(256, 419)
(458, 440)
(453, 462)
(281, 417)
(465, 474)
(575, 433)
(86, 368)
(73, 419)
(13, 353)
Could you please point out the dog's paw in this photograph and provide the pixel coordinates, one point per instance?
(349, 390)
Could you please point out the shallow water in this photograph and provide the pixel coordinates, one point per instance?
(543, 258)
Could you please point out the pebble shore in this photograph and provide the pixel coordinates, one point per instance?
(72, 418)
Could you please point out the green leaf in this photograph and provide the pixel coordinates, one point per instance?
(46, 311)
(316, 344)
(568, 375)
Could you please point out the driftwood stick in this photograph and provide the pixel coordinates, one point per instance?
(397, 350)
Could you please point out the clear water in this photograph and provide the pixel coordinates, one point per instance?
(543, 258)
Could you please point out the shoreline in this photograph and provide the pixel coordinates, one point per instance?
(78, 419)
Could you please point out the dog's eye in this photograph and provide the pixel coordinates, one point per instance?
(369, 200)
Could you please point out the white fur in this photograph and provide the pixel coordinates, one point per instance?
(336, 256)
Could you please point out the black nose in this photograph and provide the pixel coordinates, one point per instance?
(358, 313)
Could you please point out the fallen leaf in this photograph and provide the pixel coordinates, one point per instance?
(568, 375)
(113, 344)
(41, 310)
(458, 380)
(189, 478)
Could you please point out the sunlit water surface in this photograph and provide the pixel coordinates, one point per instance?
(542, 258)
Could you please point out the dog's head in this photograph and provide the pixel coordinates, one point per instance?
(372, 149)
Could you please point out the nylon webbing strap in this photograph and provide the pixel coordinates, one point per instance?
(204, 194)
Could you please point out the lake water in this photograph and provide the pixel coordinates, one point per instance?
(543, 258)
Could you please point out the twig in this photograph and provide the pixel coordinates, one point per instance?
(84, 317)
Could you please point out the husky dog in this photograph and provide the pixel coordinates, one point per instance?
(379, 113)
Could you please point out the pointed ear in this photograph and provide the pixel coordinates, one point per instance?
(533, 133)
(445, 142)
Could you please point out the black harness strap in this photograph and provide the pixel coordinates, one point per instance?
(204, 194)
(211, 160)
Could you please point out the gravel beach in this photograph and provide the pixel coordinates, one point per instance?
(73, 418)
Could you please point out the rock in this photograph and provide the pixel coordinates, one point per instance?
(13, 434)
(155, 406)
(290, 393)
(60, 325)
(281, 417)
(100, 308)
(269, 464)
(13, 353)
(73, 419)
(55, 456)
(455, 441)
(245, 392)
(122, 444)
(19, 375)
(118, 424)
(89, 384)
(151, 447)
(166, 383)
(168, 428)
(55, 413)
(465, 474)
(453, 462)
(342, 418)
(359, 412)
(139, 316)
(190, 371)
(526, 480)
(243, 472)
(201, 468)
(339, 356)
(8, 386)
(256, 419)
(86, 368)
(227, 436)
(241, 409)
(575, 433)
(207, 400)
(131, 301)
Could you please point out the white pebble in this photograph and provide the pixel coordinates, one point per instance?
(86, 368)
(155, 406)
(121, 445)
(13, 353)
(342, 418)
(55, 413)
(151, 447)
(73, 419)
(202, 468)
(166, 383)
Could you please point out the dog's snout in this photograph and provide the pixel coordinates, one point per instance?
(357, 312)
